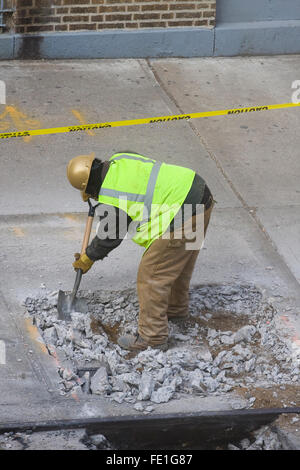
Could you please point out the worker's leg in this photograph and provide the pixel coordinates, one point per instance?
(179, 299)
(160, 266)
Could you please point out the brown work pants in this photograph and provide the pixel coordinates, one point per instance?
(163, 283)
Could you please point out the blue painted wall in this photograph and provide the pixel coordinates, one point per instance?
(238, 11)
(244, 27)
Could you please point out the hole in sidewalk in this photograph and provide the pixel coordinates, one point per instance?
(229, 344)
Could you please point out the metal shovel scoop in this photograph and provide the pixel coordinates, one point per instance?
(68, 303)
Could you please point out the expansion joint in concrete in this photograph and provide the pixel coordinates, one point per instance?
(250, 210)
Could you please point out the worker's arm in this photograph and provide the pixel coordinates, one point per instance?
(112, 233)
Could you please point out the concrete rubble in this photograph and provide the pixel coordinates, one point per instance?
(48, 440)
(262, 439)
(282, 434)
(72, 439)
(229, 342)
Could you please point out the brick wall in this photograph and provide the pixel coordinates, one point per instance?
(34, 16)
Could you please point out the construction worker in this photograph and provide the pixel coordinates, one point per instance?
(150, 196)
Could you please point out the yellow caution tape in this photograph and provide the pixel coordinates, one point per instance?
(153, 120)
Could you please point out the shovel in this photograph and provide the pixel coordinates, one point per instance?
(68, 303)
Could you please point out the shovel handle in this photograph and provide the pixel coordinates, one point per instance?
(85, 242)
(87, 234)
(88, 227)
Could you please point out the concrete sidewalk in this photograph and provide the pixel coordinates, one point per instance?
(251, 163)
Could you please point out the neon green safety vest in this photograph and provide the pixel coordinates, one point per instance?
(150, 192)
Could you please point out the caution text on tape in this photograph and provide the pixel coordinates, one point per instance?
(152, 120)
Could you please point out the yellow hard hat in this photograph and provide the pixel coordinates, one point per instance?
(78, 172)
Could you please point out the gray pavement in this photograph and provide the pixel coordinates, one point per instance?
(251, 163)
(258, 154)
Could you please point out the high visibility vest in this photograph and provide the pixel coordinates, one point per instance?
(150, 192)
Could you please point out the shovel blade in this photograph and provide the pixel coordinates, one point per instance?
(66, 305)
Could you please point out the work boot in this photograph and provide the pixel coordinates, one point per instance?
(137, 343)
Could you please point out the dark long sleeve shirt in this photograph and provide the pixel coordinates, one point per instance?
(99, 248)
(114, 231)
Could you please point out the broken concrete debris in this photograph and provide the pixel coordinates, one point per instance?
(262, 439)
(48, 440)
(146, 386)
(163, 394)
(99, 382)
(230, 341)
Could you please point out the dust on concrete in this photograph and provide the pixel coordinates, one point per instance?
(275, 396)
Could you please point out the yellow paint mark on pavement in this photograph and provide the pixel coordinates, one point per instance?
(73, 217)
(13, 116)
(82, 121)
(34, 335)
(18, 231)
(295, 337)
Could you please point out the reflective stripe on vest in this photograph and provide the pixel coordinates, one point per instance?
(150, 188)
(150, 195)
(122, 194)
(133, 157)
(145, 198)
